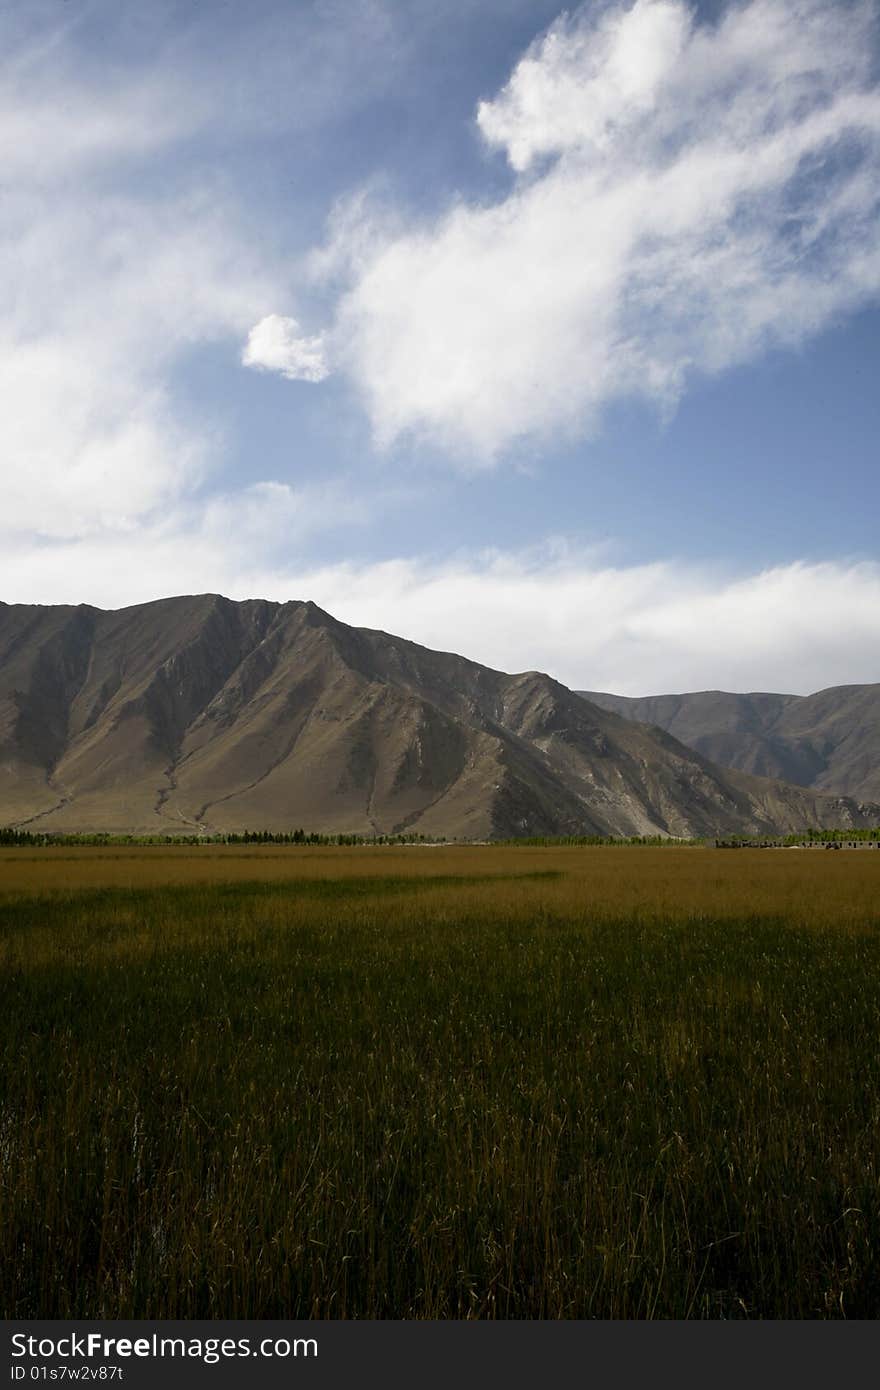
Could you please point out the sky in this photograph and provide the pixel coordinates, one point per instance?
(546, 336)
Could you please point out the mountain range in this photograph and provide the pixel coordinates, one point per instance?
(829, 741)
(200, 712)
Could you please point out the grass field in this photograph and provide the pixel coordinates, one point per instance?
(452, 1082)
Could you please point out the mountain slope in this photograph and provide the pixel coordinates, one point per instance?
(201, 712)
(829, 741)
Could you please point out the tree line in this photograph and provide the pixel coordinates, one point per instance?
(30, 838)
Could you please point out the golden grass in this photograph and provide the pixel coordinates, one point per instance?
(806, 885)
(456, 1082)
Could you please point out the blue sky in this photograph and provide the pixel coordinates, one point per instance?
(549, 338)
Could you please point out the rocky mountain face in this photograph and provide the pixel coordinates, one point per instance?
(829, 741)
(200, 712)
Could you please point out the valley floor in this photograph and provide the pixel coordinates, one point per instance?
(439, 1083)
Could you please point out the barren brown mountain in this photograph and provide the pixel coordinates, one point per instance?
(829, 741)
(200, 712)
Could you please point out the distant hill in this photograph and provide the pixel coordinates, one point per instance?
(202, 712)
(829, 741)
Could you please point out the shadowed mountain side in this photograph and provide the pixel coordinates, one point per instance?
(202, 712)
(829, 741)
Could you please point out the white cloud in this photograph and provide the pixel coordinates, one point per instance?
(89, 447)
(686, 197)
(276, 345)
(109, 279)
(635, 630)
(583, 82)
(107, 298)
(237, 542)
(125, 244)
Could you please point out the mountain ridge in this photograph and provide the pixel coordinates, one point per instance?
(201, 712)
(828, 741)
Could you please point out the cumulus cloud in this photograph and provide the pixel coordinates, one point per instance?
(275, 344)
(686, 196)
(588, 81)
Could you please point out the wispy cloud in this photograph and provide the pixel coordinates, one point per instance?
(115, 277)
(125, 245)
(686, 196)
(108, 297)
(239, 542)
